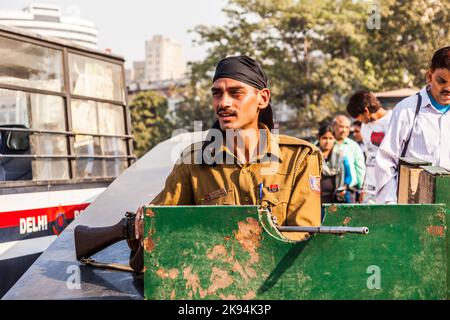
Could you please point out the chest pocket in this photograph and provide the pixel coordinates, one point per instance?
(277, 201)
(226, 199)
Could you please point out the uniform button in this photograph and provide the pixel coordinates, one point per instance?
(275, 200)
(246, 199)
(244, 171)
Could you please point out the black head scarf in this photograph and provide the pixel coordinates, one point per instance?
(247, 70)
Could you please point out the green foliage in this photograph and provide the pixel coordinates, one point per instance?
(149, 121)
(318, 52)
(195, 105)
(410, 32)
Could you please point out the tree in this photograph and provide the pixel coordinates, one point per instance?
(149, 121)
(195, 105)
(319, 52)
(308, 58)
(410, 31)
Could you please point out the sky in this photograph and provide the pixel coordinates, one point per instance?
(124, 25)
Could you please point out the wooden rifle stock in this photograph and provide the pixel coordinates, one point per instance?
(89, 240)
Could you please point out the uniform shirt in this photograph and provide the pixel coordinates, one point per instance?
(355, 156)
(430, 141)
(289, 169)
(373, 134)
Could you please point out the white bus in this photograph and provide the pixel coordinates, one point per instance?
(64, 136)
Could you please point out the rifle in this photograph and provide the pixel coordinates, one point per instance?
(89, 241)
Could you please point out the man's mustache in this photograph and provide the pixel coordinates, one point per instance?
(445, 92)
(231, 112)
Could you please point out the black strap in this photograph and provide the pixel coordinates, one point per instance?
(419, 102)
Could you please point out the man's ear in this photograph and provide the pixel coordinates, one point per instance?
(428, 76)
(263, 98)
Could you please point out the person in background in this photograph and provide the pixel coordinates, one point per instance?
(351, 150)
(336, 176)
(365, 107)
(356, 135)
(419, 128)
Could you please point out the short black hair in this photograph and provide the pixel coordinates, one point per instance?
(441, 59)
(324, 128)
(361, 100)
(357, 123)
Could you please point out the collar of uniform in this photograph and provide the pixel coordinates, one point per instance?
(426, 102)
(271, 150)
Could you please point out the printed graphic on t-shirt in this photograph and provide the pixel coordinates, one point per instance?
(376, 138)
(373, 134)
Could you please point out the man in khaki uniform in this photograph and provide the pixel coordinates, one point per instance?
(254, 166)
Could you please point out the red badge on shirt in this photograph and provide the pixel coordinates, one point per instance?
(274, 187)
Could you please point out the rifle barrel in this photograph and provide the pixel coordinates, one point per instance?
(325, 229)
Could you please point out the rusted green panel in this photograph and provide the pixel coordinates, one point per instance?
(443, 189)
(224, 252)
(442, 195)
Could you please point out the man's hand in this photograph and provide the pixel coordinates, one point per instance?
(340, 195)
(139, 224)
(361, 197)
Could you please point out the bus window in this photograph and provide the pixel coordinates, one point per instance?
(85, 120)
(115, 167)
(88, 167)
(98, 118)
(13, 107)
(111, 119)
(114, 146)
(58, 126)
(29, 65)
(95, 78)
(50, 168)
(84, 116)
(14, 143)
(14, 114)
(47, 113)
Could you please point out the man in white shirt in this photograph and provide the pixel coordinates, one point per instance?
(420, 128)
(365, 107)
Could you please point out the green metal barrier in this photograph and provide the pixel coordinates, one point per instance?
(233, 252)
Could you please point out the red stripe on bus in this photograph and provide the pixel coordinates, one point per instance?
(12, 218)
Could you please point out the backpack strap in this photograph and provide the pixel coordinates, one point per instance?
(419, 102)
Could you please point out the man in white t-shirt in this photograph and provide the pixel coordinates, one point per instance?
(365, 107)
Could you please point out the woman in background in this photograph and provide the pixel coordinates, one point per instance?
(336, 175)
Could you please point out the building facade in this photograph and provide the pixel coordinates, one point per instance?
(48, 20)
(138, 71)
(163, 59)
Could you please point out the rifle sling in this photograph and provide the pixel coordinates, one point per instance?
(112, 266)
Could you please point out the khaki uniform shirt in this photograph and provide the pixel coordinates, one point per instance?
(289, 171)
